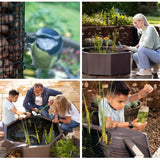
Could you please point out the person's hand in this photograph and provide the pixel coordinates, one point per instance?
(35, 109)
(51, 102)
(19, 113)
(145, 91)
(126, 48)
(55, 120)
(137, 46)
(138, 126)
(28, 114)
(148, 88)
(20, 118)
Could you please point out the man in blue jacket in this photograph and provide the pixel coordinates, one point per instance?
(37, 98)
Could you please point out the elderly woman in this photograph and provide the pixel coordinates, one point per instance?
(148, 49)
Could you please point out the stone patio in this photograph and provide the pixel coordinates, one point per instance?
(132, 75)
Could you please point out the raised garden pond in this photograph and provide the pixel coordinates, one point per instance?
(106, 63)
(32, 136)
(122, 143)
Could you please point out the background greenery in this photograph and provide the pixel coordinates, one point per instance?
(128, 8)
(64, 17)
(95, 13)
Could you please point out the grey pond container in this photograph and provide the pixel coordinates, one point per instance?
(32, 150)
(125, 143)
(106, 63)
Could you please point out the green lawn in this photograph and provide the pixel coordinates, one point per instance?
(61, 16)
(153, 20)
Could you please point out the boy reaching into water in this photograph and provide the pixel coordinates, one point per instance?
(9, 110)
(112, 107)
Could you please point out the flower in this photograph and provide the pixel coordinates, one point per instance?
(106, 38)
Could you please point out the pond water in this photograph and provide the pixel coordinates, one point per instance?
(34, 131)
(91, 145)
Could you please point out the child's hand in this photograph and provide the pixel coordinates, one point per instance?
(51, 102)
(148, 88)
(55, 120)
(137, 46)
(138, 126)
(19, 113)
(28, 114)
(145, 91)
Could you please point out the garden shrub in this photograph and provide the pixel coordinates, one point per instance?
(64, 149)
(128, 8)
(99, 19)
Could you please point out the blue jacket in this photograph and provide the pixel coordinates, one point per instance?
(29, 101)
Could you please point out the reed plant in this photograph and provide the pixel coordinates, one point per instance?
(87, 115)
(114, 34)
(37, 135)
(98, 42)
(25, 130)
(48, 137)
(104, 136)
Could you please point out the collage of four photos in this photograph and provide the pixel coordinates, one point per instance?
(80, 79)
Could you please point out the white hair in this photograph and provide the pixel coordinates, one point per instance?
(139, 17)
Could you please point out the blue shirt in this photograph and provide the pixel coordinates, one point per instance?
(107, 111)
(29, 101)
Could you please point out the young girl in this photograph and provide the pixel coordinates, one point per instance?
(65, 113)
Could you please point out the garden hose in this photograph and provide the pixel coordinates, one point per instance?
(42, 108)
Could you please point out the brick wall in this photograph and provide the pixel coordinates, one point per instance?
(125, 33)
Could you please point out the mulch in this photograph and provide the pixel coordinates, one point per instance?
(153, 130)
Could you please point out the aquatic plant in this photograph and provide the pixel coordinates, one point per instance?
(37, 135)
(25, 130)
(107, 41)
(48, 137)
(98, 42)
(104, 137)
(87, 115)
(143, 114)
(115, 34)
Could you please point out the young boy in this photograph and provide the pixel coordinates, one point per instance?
(112, 107)
(9, 110)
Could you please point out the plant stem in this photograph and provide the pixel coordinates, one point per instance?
(87, 114)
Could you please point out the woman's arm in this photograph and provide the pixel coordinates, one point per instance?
(67, 120)
(55, 120)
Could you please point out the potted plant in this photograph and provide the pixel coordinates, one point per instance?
(103, 59)
(131, 110)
